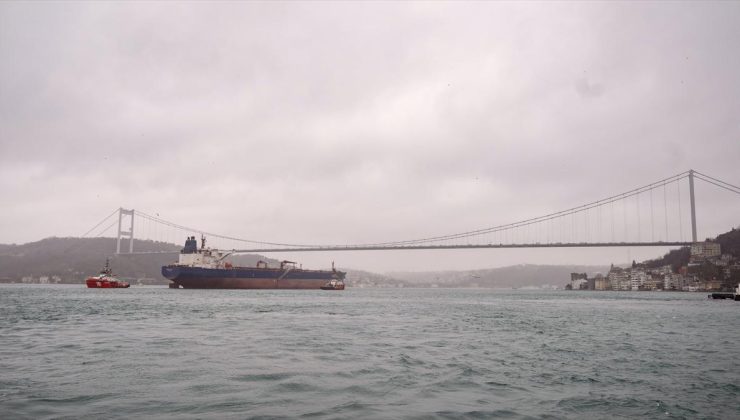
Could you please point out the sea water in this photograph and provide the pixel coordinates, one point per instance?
(72, 352)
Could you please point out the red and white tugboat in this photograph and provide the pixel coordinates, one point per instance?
(105, 280)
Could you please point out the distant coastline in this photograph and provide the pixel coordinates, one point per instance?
(713, 265)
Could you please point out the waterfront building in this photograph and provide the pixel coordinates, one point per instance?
(674, 282)
(579, 284)
(637, 279)
(701, 251)
(601, 282)
(668, 282)
(653, 282)
(619, 279)
(666, 269)
(578, 281)
(690, 284)
(713, 285)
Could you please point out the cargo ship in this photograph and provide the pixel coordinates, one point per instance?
(206, 268)
(105, 280)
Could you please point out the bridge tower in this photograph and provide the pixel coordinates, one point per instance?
(123, 234)
(693, 206)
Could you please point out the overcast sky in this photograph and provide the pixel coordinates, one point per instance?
(341, 122)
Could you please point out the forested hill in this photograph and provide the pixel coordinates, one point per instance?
(730, 242)
(73, 259)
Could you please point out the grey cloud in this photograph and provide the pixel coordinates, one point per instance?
(587, 89)
(385, 121)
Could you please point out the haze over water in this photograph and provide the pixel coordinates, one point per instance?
(70, 352)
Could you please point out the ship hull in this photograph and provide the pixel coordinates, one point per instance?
(246, 278)
(96, 283)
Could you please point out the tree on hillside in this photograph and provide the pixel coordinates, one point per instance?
(676, 258)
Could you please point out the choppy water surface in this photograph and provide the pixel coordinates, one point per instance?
(67, 351)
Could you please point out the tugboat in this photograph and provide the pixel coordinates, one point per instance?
(335, 283)
(105, 280)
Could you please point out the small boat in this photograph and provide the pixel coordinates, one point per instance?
(334, 284)
(734, 295)
(105, 280)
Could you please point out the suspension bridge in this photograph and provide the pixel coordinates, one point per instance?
(662, 213)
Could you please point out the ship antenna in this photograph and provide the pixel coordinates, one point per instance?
(202, 241)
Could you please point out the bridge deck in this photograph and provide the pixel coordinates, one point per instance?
(417, 247)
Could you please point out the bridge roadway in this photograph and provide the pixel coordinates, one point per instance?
(427, 247)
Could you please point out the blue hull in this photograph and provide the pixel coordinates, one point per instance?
(247, 278)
